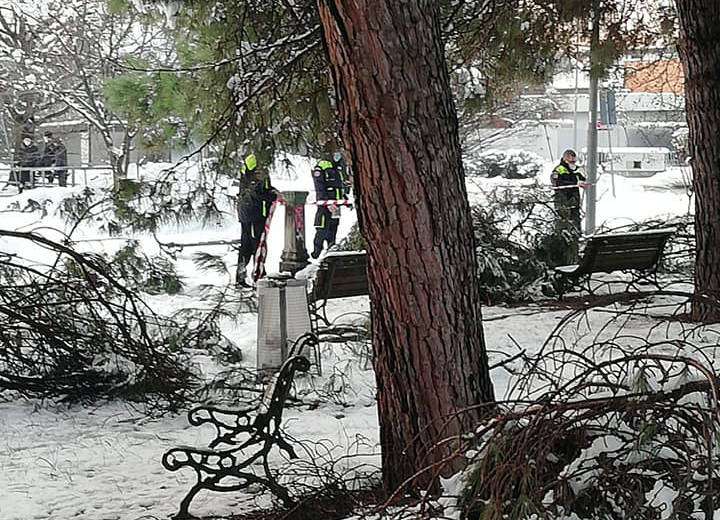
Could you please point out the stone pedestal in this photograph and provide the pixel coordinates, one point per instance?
(282, 318)
(294, 256)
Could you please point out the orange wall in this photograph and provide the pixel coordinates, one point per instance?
(654, 76)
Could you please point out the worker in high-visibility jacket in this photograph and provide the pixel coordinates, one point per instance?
(567, 180)
(254, 198)
(331, 183)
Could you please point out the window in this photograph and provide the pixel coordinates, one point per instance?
(637, 164)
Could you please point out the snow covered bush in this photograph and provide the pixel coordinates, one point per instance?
(612, 425)
(77, 206)
(509, 164)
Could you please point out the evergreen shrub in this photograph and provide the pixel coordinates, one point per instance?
(509, 164)
(516, 244)
(353, 241)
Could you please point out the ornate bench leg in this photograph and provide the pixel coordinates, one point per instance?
(184, 513)
(275, 487)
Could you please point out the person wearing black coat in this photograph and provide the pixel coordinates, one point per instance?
(255, 196)
(566, 180)
(55, 154)
(29, 157)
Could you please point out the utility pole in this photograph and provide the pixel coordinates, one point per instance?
(577, 64)
(592, 140)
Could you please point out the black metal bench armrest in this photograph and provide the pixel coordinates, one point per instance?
(199, 458)
(229, 469)
(228, 422)
(211, 460)
(223, 470)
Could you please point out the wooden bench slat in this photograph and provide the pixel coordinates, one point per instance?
(341, 275)
(647, 258)
(623, 255)
(361, 284)
(621, 262)
(355, 281)
(355, 275)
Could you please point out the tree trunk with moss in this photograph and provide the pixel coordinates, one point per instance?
(399, 124)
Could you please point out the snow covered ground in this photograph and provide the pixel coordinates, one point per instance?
(102, 462)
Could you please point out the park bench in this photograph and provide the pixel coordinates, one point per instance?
(341, 274)
(604, 253)
(250, 434)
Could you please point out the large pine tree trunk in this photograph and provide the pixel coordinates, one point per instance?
(700, 55)
(399, 123)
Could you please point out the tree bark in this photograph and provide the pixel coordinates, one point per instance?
(700, 56)
(398, 122)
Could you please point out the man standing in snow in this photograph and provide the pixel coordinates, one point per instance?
(566, 180)
(331, 184)
(29, 157)
(255, 196)
(55, 154)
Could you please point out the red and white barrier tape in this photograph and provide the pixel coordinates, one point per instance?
(331, 202)
(261, 251)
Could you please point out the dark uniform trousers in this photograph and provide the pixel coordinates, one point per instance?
(325, 229)
(567, 207)
(250, 233)
(329, 181)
